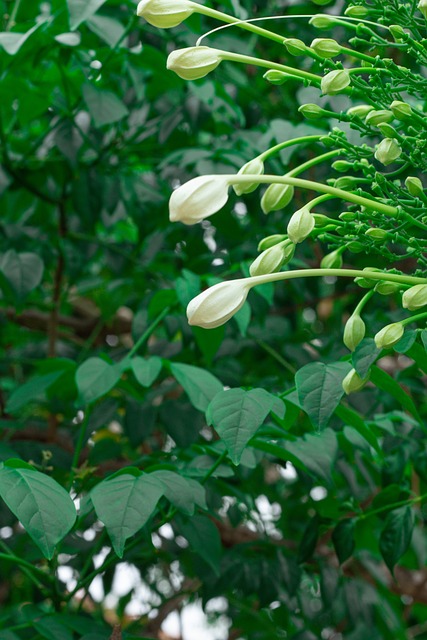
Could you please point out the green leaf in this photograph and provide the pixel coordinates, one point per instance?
(386, 383)
(109, 30)
(81, 10)
(320, 390)
(33, 389)
(209, 340)
(44, 508)
(389, 495)
(396, 535)
(200, 385)
(204, 539)
(12, 41)
(309, 540)
(187, 286)
(146, 370)
(104, 106)
(237, 415)
(406, 342)
(243, 318)
(95, 378)
(23, 271)
(124, 503)
(51, 628)
(365, 354)
(352, 418)
(343, 539)
(317, 452)
(183, 493)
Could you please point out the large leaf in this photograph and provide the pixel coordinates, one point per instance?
(146, 370)
(23, 271)
(124, 503)
(44, 508)
(104, 106)
(81, 10)
(364, 356)
(320, 389)
(31, 390)
(385, 382)
(182, 492)
(95, 378)
(204, 539)
(396, 535)
(237, 415)
(343, 539)
(200, 385)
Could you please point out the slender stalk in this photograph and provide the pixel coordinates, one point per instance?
(288, 143)
(314, 161)
(259, 62)
(359, 308)
(79, 447)
(147, 333)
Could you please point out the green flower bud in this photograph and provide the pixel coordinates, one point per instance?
(193, 63)
(356, 12)
(342, 166)
(415, 297)
(294, 46)
(397, 32)
(388, 151)
(386, 288)
(311, 111)
(321, 3)
(355, 247)
(389, 335)
(270, 241)
(353, 382)
(276, 77)
(334, 82)
(268, 261)
(375, 117)
(366, 283)
(360, 110)
(422, 6)
(354, 332)
(346, 183)
(332, 260)
(321, 22)
(165, 13)
(401, 110)
(326, 47)
(320, 220)
(414, 186)
(348, 216)
(387, 130)
(300, 225)
(253, 167)
(276, 197)
(376, 234)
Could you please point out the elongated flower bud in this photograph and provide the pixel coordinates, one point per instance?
(326, 47)
(376, 117)
(216, 305)
(270, 241)
(198, 199)
(389, 335)
(253, 167)
(414, 186)
(376, 234)
(353, 382)
(311, 111)
(321, 21)
(272, 259)
(332, 260)
(193, 63)
(415, 297)
(334, 82)
(276, 77)
(276, 197)
(386, 288)
(354, 332)
(388, 151)
(387, 130)
(360, 110)
(300, 225)
(294, 46)
(356, 11)
(401, 110)
(164, 13)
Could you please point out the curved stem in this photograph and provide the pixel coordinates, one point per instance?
(314, 161)
(259, 62)
(288, 143)
(359, 308)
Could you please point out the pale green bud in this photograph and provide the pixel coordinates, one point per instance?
(193, 63)
(354, 332)
(334, 82)
(270, 241)
(348, 216)
(300, 225)
(332, 260)
(346, 183)
(254, 167)
(415, 297)
(198, 199)
(356, 12)
(375, 117)
(422, 6)
(165, 13)
(321, 220)
(294, 46)
(342, 166)
(389, 335)
(414, 186)
(388, 151)
(277, 196)
(276, 77)
(397, 32)
(353, 382)
(272, 259)
(311, 111)
(366, 283)
(360, 110)
(387, 130)
(326, 47)
(376, 234)
(355, 247)
(386, 288)
(216, 305)
(401, 110)
(321, 22)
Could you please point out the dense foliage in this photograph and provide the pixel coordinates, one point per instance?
(272, 467)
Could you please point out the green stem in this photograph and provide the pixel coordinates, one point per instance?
(356, 54)
(419, 316)
(147, 333)
(12, 20)
(214, 467)
(288, 143)
(390, 507)
(259, 62)
(33, 573)
(363, 302)
(78, 449)
(314, 161)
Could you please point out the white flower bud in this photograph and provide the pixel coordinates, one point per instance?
(388, 151)
(377, 116)
(332, 260)
(354, 332)
(198, 199)
(270, 241)
(415, 297)
(300, 225)
(254, 167)
(401, 110)
(360, 110)
(165, 13)
(389, 335)
(353, 382)
(272, 259)
(216, 305)
(193, 63)
(321, 21)
(326, 47)
(422, 6)
(414, 186)
(334, 82)
(276, 197)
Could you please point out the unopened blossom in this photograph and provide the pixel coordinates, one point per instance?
(276, 197)
(334, 82)
(354, 332)
(198, 199)
(300, 225)
(415, 297)
(388, 151)
(165, 13)
(353, 382)
(389, 335)
(193, 63)
(253, 167)
(216, 305)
